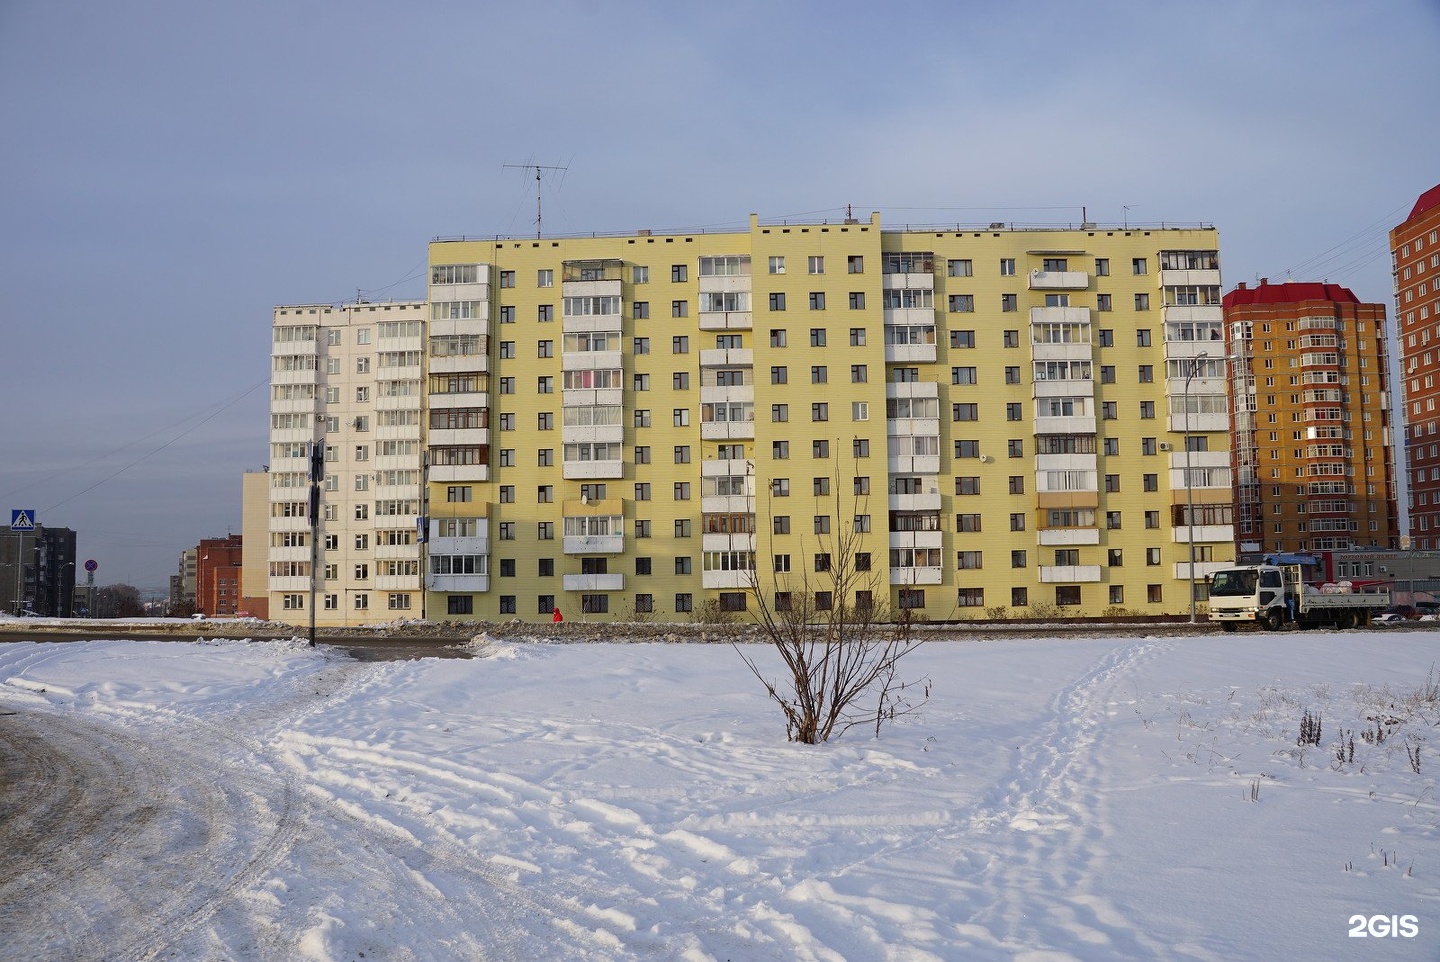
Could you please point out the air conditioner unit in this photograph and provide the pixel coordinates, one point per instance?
(1164, 445)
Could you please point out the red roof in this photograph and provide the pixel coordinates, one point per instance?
(1429, 199)
(1289, 293)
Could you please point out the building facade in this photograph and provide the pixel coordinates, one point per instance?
(979, 419)
(973, 420)
(350, 378)
(255, 552)
(218, 564)
(1415, 255)
(1312, 445)
(37, 571)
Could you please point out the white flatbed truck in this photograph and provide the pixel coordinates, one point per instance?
(1274, 595)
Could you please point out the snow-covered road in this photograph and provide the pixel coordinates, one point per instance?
(1077, 799)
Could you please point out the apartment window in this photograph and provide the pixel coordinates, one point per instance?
(682, 528)
(545, 531)
(1015, 447)
(820, 487)
(855, 264)
(507, 494)
(819, 449)
(959, 268)
(964, 412)
(1102, 302)
(680, 417)
(1147, 409)
(1107, 374)
(362, 365)
(682, 454)
(964, 375)
(640, 310)
(819, 374)
(680, 381)
(1150, 482)
(545, 312)
(780, 487)
(820, 411)
(859, 410)
(639, 275)
(1017, 521)
(857, 300)
(1012, 375)
(1112, 446)
(1142, 302)
(781, 523)
(962, 339)
(1138, 266)
(817, 300)
(967, 486)
(679, 308)
(1152, 519)
(777, 265)
(817, 265)
(545, 278)
(678, 273)
(1152, 557)
(779, 412)
(545, 421)
(1011, 339)
(1109, 410)
(777, 301)
(817, 337)
(967, 449)
(1018, 558)
(1007, 267)
(507, 314)
(1112, 483)
(822, 524)
(1067, 596)
(680, 344)
(1017, 484)
(779, 375)
(1147, 374)
(860, 448)
(507, 385)
(1067, 557)
(1013, 411)
(822, 561)
(779, 450)
(457, 493)
(1107, 338)
(1009, 302)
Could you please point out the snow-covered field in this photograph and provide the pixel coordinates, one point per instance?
(1056, 799)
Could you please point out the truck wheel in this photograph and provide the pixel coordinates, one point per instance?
(1273, 621)
(1348, 620)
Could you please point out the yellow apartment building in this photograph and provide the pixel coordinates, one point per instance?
(984, 421)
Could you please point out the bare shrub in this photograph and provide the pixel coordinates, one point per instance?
(840, 644)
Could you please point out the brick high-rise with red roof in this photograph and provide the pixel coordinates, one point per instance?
(1310, 404)
(1415, 251)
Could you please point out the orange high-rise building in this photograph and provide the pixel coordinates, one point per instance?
(1310, 401)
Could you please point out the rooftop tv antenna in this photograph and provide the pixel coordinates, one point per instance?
(537, 168)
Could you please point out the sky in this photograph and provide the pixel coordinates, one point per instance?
(172, 171)
(1080, 799)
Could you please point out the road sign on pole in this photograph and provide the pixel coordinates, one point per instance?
(22, 519)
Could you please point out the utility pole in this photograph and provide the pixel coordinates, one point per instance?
(537, 168)
(317, 474)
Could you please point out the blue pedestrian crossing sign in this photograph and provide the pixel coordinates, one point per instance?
(22, 519)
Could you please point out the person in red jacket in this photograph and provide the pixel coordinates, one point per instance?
(557, 617)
